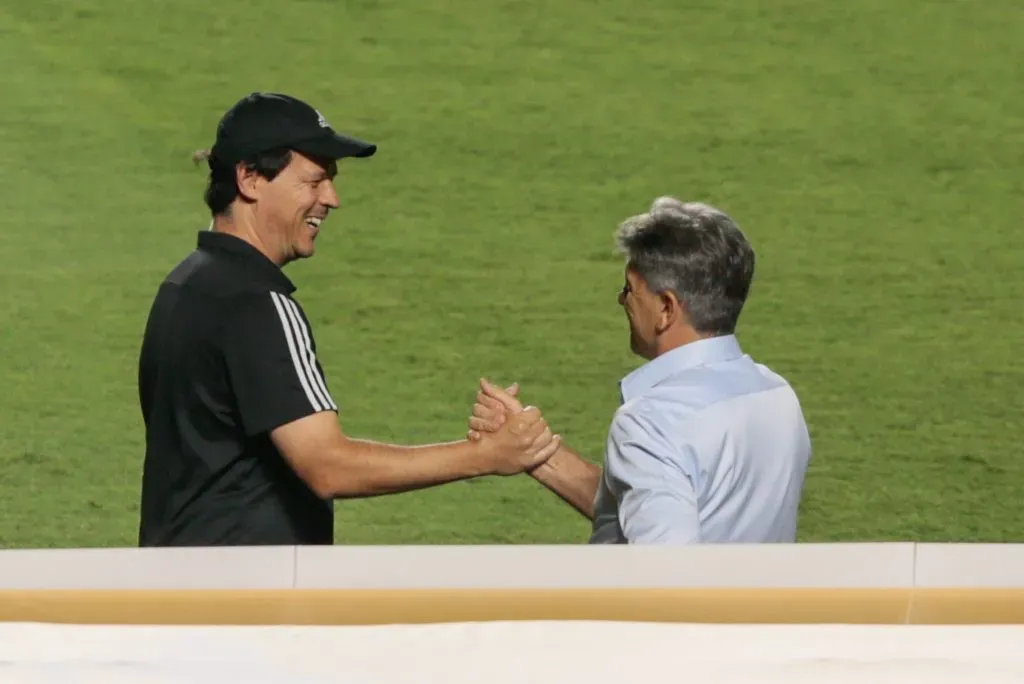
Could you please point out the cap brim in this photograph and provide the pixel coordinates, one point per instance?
(335, 146)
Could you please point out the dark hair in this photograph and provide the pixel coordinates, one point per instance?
(697, 252)
(222, 189)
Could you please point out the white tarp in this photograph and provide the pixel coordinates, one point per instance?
(512, 652)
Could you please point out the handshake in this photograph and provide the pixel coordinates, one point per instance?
(511, 439)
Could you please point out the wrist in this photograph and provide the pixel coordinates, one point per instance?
(550, 468)
(480, 458)
(540, 470)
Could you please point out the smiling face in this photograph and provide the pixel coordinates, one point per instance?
(290, 208)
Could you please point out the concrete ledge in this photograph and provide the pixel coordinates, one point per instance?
(967, 606)
(175, 568)
(465, 567)
(410, 606)
(514, 566)
(796, 583)
(969, 565)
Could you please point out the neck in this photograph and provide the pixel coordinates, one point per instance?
(675, 337)
(242, 225)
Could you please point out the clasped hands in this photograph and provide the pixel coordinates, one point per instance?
(518, 438)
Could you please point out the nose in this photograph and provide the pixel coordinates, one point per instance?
(329, 196)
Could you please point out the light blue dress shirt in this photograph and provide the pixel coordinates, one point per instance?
(707, 446)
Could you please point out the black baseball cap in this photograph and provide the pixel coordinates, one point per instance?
(264, 121)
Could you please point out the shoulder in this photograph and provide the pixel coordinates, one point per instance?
(771, 377)
(270, 305)
(205, 272)
(777, 386)
(683, 401)
(262, 314)
(697, 389)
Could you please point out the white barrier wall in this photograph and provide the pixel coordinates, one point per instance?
(867, 565)
(810, 583)
(515, 614)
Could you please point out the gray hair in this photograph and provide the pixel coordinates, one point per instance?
(695, 251)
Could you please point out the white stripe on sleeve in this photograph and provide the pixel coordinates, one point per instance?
(293, 350)
(308, 357)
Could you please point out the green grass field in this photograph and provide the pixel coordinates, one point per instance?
(872, 151)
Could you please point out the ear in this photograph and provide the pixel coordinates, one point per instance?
(670, 310)
(249, 182)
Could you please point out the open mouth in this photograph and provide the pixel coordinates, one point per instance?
(314, 222)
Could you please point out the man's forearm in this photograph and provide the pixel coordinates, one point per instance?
(370, 468)
(572, 478)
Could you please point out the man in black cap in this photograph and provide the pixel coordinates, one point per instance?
(243, 444)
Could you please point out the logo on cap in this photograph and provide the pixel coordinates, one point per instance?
(321, 120)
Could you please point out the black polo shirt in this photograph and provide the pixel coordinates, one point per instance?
(227, 356)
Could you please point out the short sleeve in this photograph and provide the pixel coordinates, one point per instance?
(271, 359)
(651, 483)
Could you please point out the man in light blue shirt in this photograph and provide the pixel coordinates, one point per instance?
(707, 446)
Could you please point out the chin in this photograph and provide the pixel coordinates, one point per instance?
(638, 348)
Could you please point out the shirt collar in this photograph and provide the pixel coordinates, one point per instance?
(255, 261)
(658, 369)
